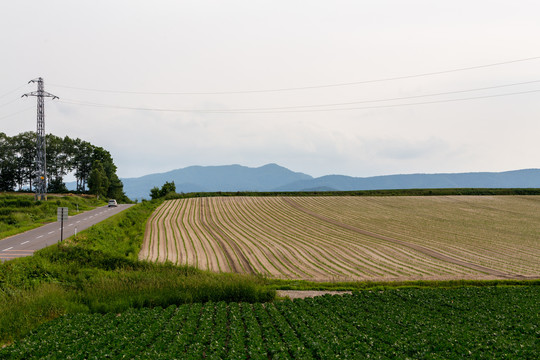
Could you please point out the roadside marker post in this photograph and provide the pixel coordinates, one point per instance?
(62, 215)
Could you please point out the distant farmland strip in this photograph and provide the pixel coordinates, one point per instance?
(351, 238)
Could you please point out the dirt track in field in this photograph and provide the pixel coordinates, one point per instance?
(302, 294)
(346, 238)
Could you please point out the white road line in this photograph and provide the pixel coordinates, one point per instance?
(79, 221)
(9, 248)
(70, 225)
(40, 236)
(50, 232)
(24, 242)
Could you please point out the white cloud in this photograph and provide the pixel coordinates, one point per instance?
(212, 46)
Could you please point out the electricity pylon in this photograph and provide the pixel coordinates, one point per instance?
(41, 148)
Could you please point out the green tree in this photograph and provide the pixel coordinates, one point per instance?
(58, 163)
(82, 162)
(18, 165)
(167, 188)
(7, 164)
(115, 188)
(24, 150)
(98, 183)
(56, 185)
(155, 193)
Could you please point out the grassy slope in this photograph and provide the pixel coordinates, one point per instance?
(99, 272)
(20, 212)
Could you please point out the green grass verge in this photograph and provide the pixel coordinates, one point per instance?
(21, 212)
(280, 284)
(99, 272)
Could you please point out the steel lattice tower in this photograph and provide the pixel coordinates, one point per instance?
(41, 147)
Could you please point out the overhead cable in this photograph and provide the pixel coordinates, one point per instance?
(15, 113)
(74, 102)
(12, 91)
(302, 87)
(343, 103)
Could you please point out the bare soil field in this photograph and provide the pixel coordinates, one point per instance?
(351, 238)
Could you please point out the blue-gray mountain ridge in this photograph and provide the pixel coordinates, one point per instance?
(273, 177)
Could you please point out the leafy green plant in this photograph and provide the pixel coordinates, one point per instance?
(488, 322)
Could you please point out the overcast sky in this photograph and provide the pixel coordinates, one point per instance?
(203, 63)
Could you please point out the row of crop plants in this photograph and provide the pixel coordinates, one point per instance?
(185, 241)
(321, 248)
(260, 251)
(154, 237)
(290, 244)
(393, 254)
(387, 256)
(269, 237)
(326, 257)
(174, 236)
(366, 215)
(478, 229)
(490, 231)
(483, 323)
(375, 254)
(276, 248)
(392, 220)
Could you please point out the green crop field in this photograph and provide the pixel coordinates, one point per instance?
(408, 323)
(343, 238)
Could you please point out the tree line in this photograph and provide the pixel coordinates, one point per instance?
(92, 166)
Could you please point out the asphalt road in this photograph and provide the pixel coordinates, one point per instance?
(26, 243)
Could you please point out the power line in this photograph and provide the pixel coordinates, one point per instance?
(15, 113)
(406, 104)
(74, 102)
(12, 91)
(332, 104)
(303, 87)
(399, 98)
(9, 102)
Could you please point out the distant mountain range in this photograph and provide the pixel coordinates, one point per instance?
(273, 177)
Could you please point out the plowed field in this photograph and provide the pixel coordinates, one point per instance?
(351, 238)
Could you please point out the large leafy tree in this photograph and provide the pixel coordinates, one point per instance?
(18, 164)
(59, 163)
(7, 164)
(82, 160)
(167, 188)
(98, 183)
(24, 150)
